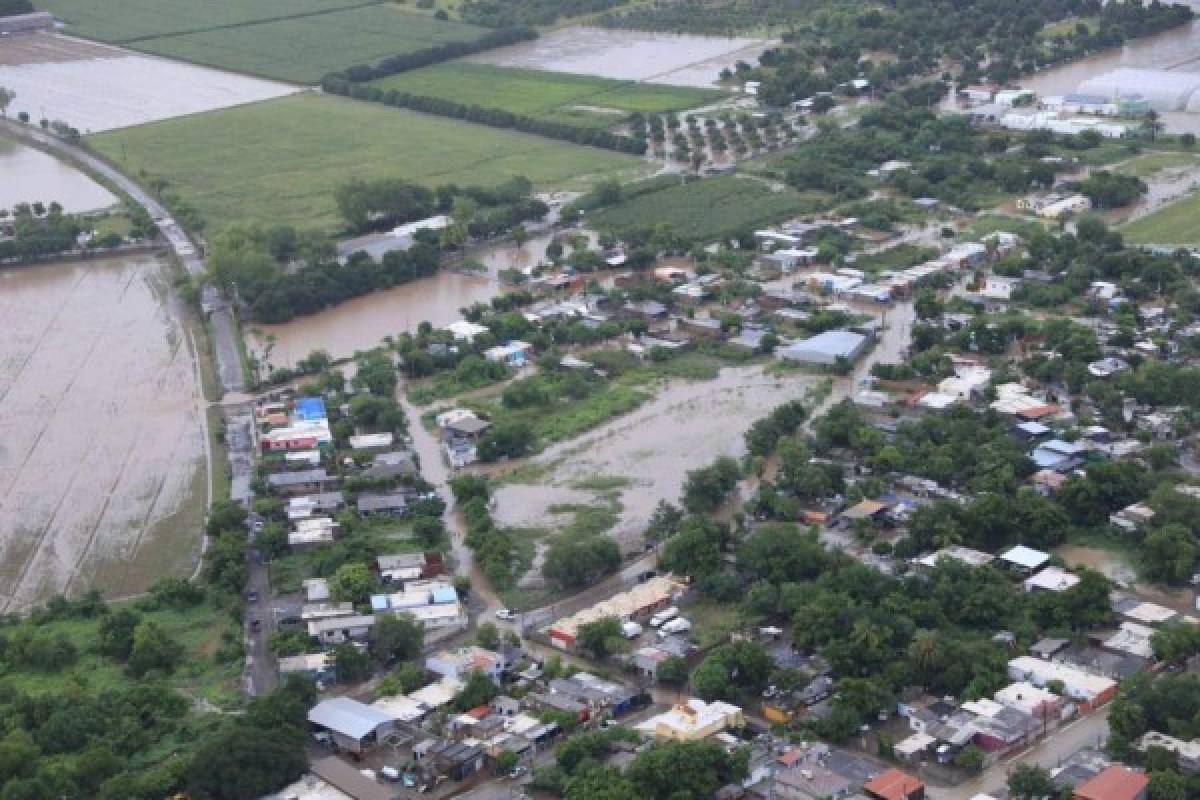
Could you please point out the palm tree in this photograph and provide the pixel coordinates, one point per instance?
(925, 650)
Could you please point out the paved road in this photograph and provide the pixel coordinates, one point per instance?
(1089, 731)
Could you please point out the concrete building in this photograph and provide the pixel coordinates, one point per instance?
(693, 719)
(636, 604)
(1089, 690)
(825, 349)
(458, 664)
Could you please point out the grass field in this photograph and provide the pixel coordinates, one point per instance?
(707, 209)
(1177, 223)
(1150, 163)
(291, 40)
(303, 49)
(556, 96)
(280, 161)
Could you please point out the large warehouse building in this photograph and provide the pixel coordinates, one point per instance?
(826, 348)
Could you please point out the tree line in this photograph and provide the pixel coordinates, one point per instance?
(493, 117)
(508, 13)
(447, 51)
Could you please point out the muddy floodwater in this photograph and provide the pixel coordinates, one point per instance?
(363, 322)
(103, 473)
(30, 176)
(678, 59)
(686, 426)
(1177, 49)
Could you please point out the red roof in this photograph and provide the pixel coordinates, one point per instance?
(479, 712)
(1114, 783)
(893, 785)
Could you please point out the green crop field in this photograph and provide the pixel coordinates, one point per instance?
(556, 96)
(707, 209)
(1150, 163)
(291, 40)
(280, 161)
(1177, 223)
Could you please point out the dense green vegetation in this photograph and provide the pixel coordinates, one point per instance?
(11, 7)
(227, 167)
(434, 55)
(1176, 223)
(551, 96)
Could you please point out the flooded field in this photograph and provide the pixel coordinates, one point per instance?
(363, 322)
(678, 59)
(686, 426)
(97, 88)
(102, 441)
(31, 175)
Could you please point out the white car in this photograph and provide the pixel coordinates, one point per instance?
(505, 614)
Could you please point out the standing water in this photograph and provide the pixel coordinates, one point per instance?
(29, 176)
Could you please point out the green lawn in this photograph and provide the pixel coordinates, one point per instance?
(1148, 164)
(280, 161)
(1177, 223)
(707, 209)
(555, 96)
(304, 49)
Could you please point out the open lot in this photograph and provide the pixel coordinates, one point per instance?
(706, 209)
(1177, 223)
(231, 166)
(628, 55)
(555, 96)
(102, 474)
(97, 88)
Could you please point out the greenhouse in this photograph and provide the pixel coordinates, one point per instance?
(1162, 90)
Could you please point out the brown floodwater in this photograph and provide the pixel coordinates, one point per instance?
(102, 442)
(29, 176)
(687, 425)
(363, 322)
(678, 59)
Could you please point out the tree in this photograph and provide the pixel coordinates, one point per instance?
(428, 530)
(970, 758)
(1031, 782)
(488, 636)
(1167, 785)
(671, 770)
(242, 762)
(1176, 641)
(1170, 553)
(115, 633)
(706, 488)
(479, 690)
(152, 650)
(6, 98)
(351, 664)
(696, 550)
(352, 582)
(397, 637)
(572, 564)
(506, 762)
(601, 637)
(672, 671)
(405, 678)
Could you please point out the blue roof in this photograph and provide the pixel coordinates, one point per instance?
(310, 408)
(380, 602)
(1093, 99)
(445, 594)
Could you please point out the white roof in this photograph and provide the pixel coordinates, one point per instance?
(348, 717)
(693, 714)
(366, 440)
(403, 707)
(1024, 696)
(937, 400)
(436, 695)
(1052, 579)
(1075, 680)
(1150, 613)
(1025, 557)
(465, 329)
(913, 744)
(316, 589)
(965, 555)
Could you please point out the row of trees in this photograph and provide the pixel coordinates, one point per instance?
(436, 54)
(381, 203)
(509, 13)
(494, 117)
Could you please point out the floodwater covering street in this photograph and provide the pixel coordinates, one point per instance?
(102, 440)
(31, 176)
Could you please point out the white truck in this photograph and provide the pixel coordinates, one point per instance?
(677, 625)
(631, 630)
(663, 616)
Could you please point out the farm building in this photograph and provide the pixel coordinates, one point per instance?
(825, 349)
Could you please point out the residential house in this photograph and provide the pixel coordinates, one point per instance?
(344, 779)
(312, 532)
(394, 504)
(514, 354)
(894, 784)
(1051, 579)
(372, 441)
(314, 666)
(303, 482)
(1024, 560)
(336, 630)
(458, 664)
(1089, 690)
(1115, 783)
(693, 719)
(1132, 518)
(396, 464)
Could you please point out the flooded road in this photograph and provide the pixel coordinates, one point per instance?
(686, 426)
(363, 322)
(102, 437)
(628, 55)
(30, 176)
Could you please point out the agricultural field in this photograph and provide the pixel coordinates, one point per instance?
(120, 505)
(291, 40)
(1150, 163)
(230, 165)
(707, 209)
(554, 96)
(1177, 223)
(95, 87)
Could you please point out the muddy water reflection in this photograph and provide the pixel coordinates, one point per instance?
(361, 323)
(28, 176)
(686, 426)
(102, 475)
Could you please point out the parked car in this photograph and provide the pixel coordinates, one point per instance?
(505, 614)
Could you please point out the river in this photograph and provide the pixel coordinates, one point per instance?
(28, 175)
(102, 431)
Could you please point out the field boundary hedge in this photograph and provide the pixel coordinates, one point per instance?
(404, 62)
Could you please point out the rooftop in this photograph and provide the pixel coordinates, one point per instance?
(1114, 783)
(893, 784)
(348, 717)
